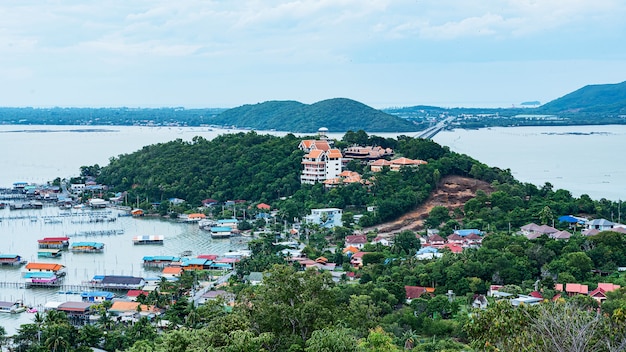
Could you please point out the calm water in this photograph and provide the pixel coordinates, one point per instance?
(20, 230)
(582, 159)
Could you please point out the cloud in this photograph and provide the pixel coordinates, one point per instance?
(447, 20)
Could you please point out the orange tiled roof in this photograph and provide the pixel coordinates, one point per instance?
(124, 306)
(334, 153)
(608, 287)
(407, 161)
(381, 162)
(314, 154)
(350, 249)
(321, 145)
(44, 266)
(196, 216)
(172, 270)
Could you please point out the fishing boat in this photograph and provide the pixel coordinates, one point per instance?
(49, 253)
(12, 307)
(87, 247)
(148, 239)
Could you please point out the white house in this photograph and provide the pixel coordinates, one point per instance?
(325, 217)
(600, 224)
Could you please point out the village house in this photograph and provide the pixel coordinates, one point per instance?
(357, 259)
(357, 241)
(326, 217)
(599, 294)
(395, 164)
(367, 153)
(413, 292)
(428, 253)
(344, 178)
(533, 231)
(435, 241)
(560, 235)
(382, 241)
(600, 224)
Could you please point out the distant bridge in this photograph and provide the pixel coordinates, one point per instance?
(430, 132)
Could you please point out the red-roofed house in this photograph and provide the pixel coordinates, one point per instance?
(413, 292)
(454, 248)
(576, 289)
(599, 294)
(208, 256)
(357, 241)
(263, 206)
(473, 239)
(436, 241)
(455, 239)
(133, 294)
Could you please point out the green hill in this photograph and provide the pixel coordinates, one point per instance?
(591, 99)
(338, 115)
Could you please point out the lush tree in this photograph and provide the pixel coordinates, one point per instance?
(290, 304)
(332, 340)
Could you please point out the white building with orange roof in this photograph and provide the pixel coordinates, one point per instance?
(320, 165)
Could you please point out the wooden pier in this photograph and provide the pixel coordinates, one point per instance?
(86, 286)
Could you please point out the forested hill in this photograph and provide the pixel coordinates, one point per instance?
(338, 115)
(264, 168)
(598, 98)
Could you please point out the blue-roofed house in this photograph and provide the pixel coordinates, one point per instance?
(196, 264)
(159, 261)
(232, 223)
(467, 232)
(428, 253)
(97, 296)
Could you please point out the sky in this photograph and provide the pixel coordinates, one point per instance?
(383, 53)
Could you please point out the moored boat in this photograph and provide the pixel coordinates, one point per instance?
(12, 307)
(87, 247)
(148, 239)
(49, 253)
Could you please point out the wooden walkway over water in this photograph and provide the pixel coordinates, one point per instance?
(60, 287)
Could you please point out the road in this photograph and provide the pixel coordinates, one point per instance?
(430, 132)
(198, 294)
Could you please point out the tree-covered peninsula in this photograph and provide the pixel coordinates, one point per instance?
(510, 291)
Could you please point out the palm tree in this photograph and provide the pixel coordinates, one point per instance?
(3, 336)
(57, 338)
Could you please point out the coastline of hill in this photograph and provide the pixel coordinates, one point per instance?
(603, 104)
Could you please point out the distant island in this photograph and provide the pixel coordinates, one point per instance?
(590, 105)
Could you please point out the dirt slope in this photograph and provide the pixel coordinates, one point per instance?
(452, 193)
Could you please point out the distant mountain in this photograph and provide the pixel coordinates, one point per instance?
(591, 99)
(338, 115)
